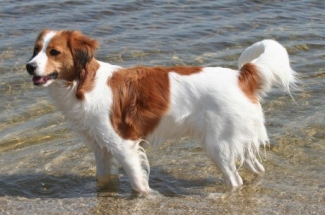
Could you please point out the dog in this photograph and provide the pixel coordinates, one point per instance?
(116, 110)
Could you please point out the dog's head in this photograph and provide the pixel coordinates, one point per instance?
(60, 55)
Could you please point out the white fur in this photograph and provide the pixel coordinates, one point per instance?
(211, 107)
(41, 58)
(208, 105)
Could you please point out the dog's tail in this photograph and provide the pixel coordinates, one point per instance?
(263, 65)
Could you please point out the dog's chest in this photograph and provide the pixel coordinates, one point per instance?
(90, 114)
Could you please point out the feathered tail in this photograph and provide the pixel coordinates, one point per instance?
(271, 61)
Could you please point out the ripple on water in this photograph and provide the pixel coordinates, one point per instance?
(46, 186)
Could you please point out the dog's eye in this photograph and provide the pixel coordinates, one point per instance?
(54, 52)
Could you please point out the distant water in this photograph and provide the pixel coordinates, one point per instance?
(45, 169)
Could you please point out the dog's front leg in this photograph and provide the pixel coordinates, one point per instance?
(221, 155)
(106, 165)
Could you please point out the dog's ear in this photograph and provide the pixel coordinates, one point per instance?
(82, 48)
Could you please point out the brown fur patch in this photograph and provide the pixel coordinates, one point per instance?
(185, 70)
(62, 63)
(249, 81)
(141, 96)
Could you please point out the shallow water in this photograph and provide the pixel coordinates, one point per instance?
(45, 168)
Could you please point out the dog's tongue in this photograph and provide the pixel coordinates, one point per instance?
(38, 80)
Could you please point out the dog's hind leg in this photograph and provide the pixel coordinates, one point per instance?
(220, 154)
(252, 164)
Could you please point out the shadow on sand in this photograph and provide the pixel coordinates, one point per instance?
(40, 185)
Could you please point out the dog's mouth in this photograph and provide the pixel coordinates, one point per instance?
(41, 80)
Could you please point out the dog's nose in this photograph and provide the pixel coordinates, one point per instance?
(31, 68)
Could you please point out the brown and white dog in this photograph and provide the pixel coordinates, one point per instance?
(115, 109)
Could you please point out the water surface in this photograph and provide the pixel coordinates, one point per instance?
(46, 169)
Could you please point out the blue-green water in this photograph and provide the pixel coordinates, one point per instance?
(45, 169)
